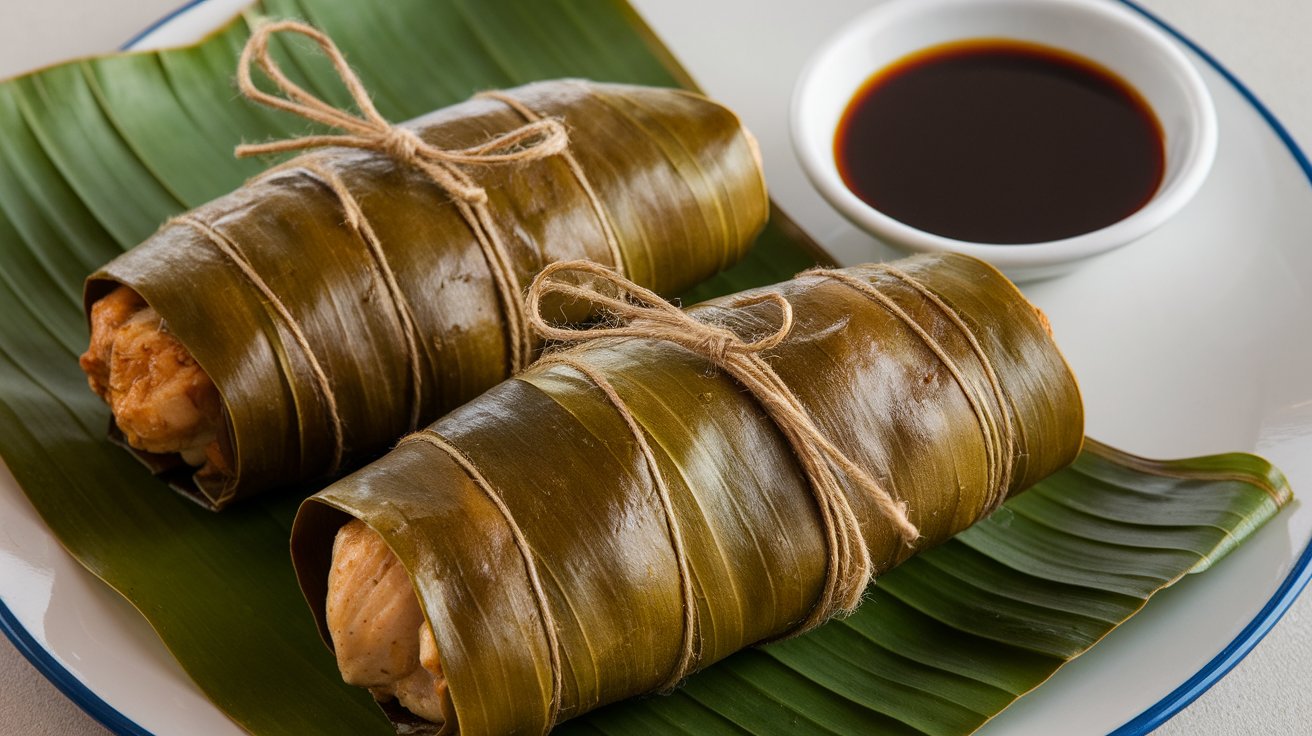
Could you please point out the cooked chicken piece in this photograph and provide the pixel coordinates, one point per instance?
(107, 315)
(379, 633)
(162, 400)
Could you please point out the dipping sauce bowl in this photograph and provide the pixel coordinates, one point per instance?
(1106, 35)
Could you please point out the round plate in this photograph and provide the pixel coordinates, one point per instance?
(1191, 341)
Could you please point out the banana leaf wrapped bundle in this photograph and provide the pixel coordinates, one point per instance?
(678, 486)
(307, 320)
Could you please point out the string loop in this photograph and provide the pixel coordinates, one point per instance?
(370, 130)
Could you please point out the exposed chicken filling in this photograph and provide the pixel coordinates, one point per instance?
(162, 401)
(378, 631)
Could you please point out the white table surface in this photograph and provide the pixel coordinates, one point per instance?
(1264, 42)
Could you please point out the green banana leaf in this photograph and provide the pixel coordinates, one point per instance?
(95, 154)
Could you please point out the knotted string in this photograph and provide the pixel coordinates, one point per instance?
(640, 313)
(369, 130)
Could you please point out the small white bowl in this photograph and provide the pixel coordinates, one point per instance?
(1106, 33)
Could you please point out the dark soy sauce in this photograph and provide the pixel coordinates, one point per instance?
(999, 141)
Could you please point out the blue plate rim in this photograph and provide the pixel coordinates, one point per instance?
(162, 21)
(66, 682)
(1141, 725)
(1298, 577)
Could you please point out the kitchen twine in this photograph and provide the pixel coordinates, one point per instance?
(538, 139)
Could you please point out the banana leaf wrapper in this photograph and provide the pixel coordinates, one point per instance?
(566, 466)
(676, 175)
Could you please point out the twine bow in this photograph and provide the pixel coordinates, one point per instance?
(640, 313)
(369, 130)
(538, 139)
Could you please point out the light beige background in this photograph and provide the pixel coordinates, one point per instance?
(1267, 43)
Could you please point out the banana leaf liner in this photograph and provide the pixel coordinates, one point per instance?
(674, 177)
(561, 460)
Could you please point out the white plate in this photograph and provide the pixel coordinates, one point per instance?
(1196, 340)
